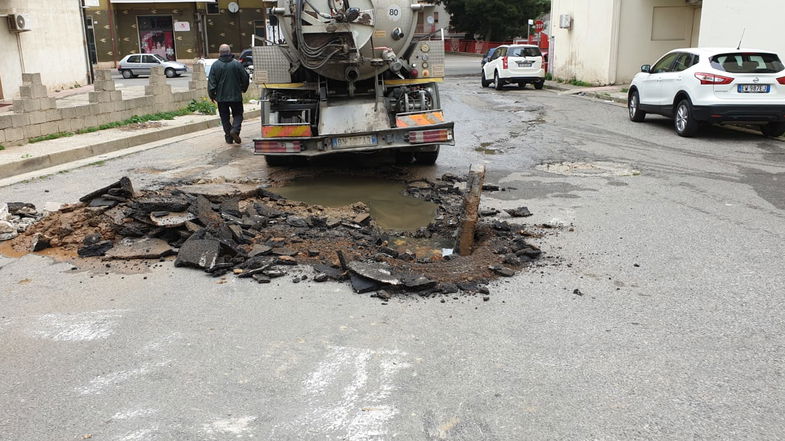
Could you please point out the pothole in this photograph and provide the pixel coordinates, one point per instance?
(589, 169)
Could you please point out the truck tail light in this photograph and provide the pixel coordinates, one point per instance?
(414, 73)
(707, 78)
(504, 63)
(429, 136)
(781, 80)
(277, 147)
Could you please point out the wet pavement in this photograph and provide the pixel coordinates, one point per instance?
(675, 333)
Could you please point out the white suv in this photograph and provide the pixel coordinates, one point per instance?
(703, 85)
(517, 63)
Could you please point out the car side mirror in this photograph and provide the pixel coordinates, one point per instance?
(646, 68)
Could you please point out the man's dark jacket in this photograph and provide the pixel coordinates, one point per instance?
(227, 81)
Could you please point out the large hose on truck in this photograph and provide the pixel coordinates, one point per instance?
(313, 57)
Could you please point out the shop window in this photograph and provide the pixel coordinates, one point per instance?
(156, 36)
(212, 8)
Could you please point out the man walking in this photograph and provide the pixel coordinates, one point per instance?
(226, 84)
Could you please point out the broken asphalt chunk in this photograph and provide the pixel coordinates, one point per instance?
(518, 212)
(151, 203)
(145, 248)
(362, 285)
(126, 190)
(378, 272)
(502, 270)
(417, 282)
(94, 246)
(198, 253)
(170, 220)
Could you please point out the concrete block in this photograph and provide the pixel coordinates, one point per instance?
(26, 91)
(90, 121)
(32, 131)
(53, 115)
(103, 118)
(37, 117)
(104, 108)
(2, 136)
(76, 124)
(103, 74)
(6, 121)
(48, 103)
(33, 78)
(94, 97)
(115, 96)
(19, 106)
(64, 125)
(68, 112)
(40, 91)
(20, 120)
(14, 134)
(49, 128)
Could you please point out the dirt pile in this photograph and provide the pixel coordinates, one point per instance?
(257, 234)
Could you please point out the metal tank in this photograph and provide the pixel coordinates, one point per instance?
(348, 40)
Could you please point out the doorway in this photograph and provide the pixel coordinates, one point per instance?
(90, 34)
(156, 36)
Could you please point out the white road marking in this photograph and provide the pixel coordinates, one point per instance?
(363, 380)
(139, 435)
(82, 326)
(231, 426)
(157, 344)
(99, 384)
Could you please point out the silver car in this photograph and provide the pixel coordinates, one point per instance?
(133, 65)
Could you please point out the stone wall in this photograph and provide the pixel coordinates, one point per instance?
(36, 114)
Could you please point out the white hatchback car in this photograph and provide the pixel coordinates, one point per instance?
(517, 63)
(711, 85)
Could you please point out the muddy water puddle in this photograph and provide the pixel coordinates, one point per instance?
(388, 206)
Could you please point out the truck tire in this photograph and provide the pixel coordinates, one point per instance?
(285, 161)
(426, 158)
(403, 158)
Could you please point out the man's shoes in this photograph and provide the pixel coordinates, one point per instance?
(235, 136)
(228, 139)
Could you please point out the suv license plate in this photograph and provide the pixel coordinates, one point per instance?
(355, 141)
(525, 63)
(754, 88)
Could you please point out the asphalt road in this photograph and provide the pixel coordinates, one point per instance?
(675, 244)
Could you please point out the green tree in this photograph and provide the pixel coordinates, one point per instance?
(494, 20)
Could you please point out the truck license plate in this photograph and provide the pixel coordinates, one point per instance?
(753, 88)
(355, 141)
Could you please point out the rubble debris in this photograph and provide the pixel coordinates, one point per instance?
(122, 188)
(577, 292)
(489, 212)
(258, 235)
(378, 272)
(144, 248)
(94, 246)
(518, 212)
(490, 187)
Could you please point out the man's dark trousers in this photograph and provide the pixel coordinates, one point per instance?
(235, 123)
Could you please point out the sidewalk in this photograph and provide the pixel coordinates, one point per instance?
(617, 93)
(28, 158)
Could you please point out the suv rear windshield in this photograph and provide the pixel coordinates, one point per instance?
(524, 52)
(746, 62)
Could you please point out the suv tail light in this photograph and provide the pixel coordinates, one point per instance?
(707, 78)
(504, 63)
(781, 80)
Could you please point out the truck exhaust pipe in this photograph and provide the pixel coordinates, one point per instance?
(352, 74)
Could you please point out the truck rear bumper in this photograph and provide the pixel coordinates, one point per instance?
(407, 138)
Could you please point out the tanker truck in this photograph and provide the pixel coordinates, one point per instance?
(351, 77)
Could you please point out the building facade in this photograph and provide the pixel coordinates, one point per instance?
(606, 41)
(60, 57)
(176, 30)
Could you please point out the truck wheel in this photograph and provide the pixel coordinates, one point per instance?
(773, 130)
(127, 74)
(426, 158)
(284, 161)
(403, 158)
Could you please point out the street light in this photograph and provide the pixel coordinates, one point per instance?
(528, 29)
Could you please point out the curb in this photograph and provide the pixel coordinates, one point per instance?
(577, 91)
(50, 160)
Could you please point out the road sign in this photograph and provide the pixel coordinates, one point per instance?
(539, 26)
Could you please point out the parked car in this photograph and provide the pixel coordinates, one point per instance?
(701, 85)
(520, 63)
(134, 65)
(487, 56)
